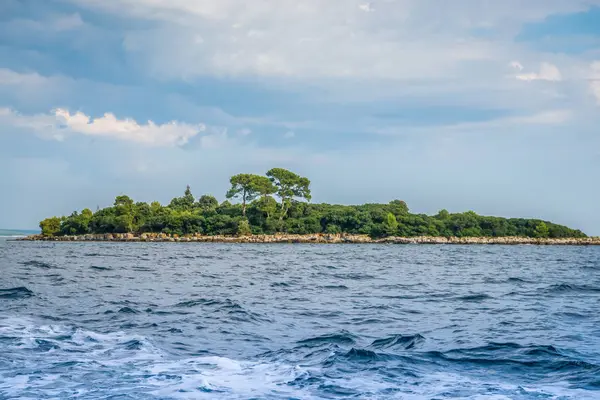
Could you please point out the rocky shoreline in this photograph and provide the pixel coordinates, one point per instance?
(313, 238)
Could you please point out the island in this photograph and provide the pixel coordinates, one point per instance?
(276, 207)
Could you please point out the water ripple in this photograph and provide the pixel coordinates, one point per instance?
(226, 321)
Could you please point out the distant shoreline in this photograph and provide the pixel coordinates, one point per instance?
(313, 238)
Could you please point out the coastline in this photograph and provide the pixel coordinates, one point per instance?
(315, 238)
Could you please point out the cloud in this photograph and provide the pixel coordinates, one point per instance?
(10, 77)
(216, 138)
(595, 80)
(367, 7)
(517, 65)
(30, 89)
(61, 124)
(289, 135)
(312, 39)
(544, 118)
(555, 117)
(66, 22)
(548, 72)
(404, 39)
(54, 23)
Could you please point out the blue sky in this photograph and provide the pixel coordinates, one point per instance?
(465, 105)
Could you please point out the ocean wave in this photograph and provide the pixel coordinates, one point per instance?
(218, 329)
(571, 288)
(37, 264)
(235, 311)
(477, 297)
(339, 338)
(128, 310)
(15, 293)
(533, 360)
(406, 342)
(132, 366)
(364, 355)
(100, 268)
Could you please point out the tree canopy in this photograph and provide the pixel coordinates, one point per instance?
(248, 187)
(280, 202)
(289, 186)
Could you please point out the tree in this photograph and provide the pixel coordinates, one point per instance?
(244, 186)
(50, 226)
(267, 214)
(443, 214)
(123, 222)
(265, 189)
(184, 203)
(289, 185)
(243, 228)
(123, 201)
(542, 231)
(207, 202)
(188, 197)
(398, 207)
(390, 225)
(263, 186)
(267, 205)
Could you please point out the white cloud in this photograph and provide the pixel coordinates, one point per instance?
(367, 7)
(61, 124)
(31, 89)
(10, 77)
(548, 118)
(595, 80)
(289, 135)
(216, 138)
(517, 65)
(53, 23)
(404, 39)
(66, 22)
(548, 72)
(554, 117)
(244, 132)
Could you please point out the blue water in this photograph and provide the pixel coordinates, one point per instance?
(13, 233)
(219, 321)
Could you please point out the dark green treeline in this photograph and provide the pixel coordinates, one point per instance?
(280, 202)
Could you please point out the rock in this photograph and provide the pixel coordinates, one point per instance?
(318, 238)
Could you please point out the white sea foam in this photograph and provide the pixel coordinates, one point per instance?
(132, 364)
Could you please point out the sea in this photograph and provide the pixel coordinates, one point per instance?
(279, 321)
(16, 233)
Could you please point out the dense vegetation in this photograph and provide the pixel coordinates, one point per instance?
(279, 202)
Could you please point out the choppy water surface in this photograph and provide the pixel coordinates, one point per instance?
(218, 321)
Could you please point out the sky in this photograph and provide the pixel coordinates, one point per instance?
(484, 105)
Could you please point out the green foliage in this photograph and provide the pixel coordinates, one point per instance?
(243, 228)
(208, 203)
(289, 186)
(266, 205)
(77, 224)
(260, 213)
(398, 207)
(184, 203)
(248, 187)
(123, 201)
(541, 230)
(50, 226)
(390, 225)
(333, 229)
(443, 214)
